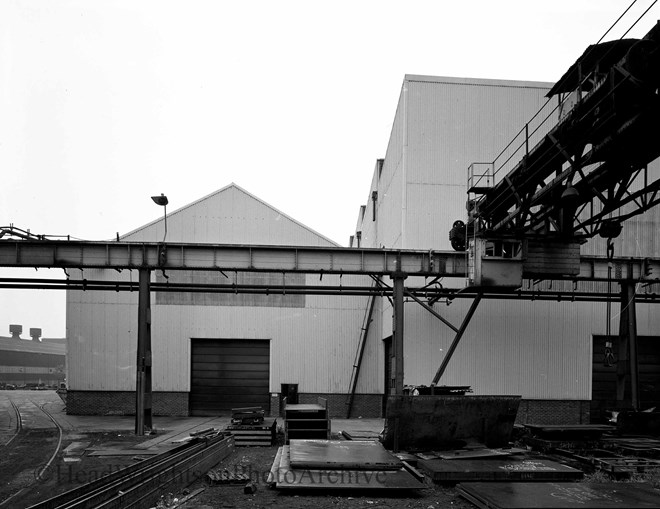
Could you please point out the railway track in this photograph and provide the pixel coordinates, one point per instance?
(30, 464)
(12, 431)
(31, 419)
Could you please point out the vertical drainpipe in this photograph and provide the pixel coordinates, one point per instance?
(404, 156)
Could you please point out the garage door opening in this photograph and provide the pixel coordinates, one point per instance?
(228, 373)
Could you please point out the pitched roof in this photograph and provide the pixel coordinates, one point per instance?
(223, 190)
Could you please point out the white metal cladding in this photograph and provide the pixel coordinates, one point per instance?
(505, 350)
(102, 336)
(390, 184)
(429, 225)
(451, 124)
(313, 346)
(540, 350)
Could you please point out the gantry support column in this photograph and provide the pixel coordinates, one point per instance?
(398, 293)
(143, 378)
(627, 363)
(399, 278)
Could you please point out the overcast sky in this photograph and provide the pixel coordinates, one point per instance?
(105, 103)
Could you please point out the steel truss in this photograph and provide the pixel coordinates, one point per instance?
(591, 169)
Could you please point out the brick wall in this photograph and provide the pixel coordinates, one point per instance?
(364, 405)
(543, 411)
(123, 403)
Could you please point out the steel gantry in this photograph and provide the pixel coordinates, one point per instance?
(412, 266)
(590, 170)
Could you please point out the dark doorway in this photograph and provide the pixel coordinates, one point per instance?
(229, 373)
(290, 392)
(604, 379)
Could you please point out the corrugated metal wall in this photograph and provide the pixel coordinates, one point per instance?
(514, 349)
(313, 346)
(453, 123)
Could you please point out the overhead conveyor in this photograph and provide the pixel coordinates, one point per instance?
(577, 177)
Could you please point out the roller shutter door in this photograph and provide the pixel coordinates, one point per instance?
(229, 373)
(604, 379)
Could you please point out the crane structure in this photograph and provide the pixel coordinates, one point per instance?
(553, 188)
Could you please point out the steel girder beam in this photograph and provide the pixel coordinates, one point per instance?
(310, 260)
(457, 338)
(225, 257)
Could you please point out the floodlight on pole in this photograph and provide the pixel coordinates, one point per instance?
(162, 201)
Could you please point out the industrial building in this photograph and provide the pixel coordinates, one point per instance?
(34, 362)
(550, 353)
(212, 352)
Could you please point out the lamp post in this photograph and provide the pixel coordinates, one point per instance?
(162, 201)
(143, 403)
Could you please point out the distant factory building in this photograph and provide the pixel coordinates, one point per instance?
(28, 363)
(213, 352)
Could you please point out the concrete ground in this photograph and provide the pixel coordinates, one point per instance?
(167, 429)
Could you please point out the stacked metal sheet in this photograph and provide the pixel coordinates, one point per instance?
(338, 464)
(565, 436)
(263, 434)
(511, 468)
(559, 495)
(247, 415)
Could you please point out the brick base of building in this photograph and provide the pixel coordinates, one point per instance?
(531, 411)
(546, 411)
(123, 403)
